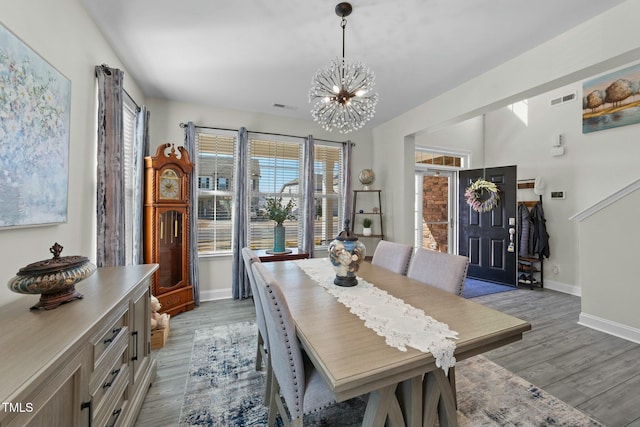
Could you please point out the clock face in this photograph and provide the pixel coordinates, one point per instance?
(169, 185)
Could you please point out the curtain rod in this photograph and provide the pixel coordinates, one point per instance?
(183, 125)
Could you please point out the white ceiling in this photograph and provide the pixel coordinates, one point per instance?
(251, 54)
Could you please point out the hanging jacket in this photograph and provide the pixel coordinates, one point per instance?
(525, 231)
(539, 244)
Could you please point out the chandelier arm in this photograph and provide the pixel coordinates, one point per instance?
(326, 83)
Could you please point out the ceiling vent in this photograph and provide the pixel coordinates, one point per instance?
(286, 107)
(563, 99)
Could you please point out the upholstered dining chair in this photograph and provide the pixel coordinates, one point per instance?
(262, 351)
(442, 270)
(392, 256)
(303, 389)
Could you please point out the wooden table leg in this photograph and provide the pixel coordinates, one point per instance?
(439, 401)
(383, 403)
(409, 394)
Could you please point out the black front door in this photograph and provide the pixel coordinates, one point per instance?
(484, 237)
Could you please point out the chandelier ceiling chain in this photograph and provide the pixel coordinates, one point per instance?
(341, 93)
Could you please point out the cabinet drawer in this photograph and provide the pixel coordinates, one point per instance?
(104, 381)
(115, 330)
(118, 413)
(113, 402)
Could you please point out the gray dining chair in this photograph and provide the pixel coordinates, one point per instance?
(294, 376)
(392, 256)
(442, 270)
(262, 351)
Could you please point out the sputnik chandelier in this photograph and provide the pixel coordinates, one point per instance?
(341, 93)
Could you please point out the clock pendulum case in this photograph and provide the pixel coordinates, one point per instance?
(167, 209)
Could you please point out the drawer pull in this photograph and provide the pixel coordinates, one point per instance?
(115, 332)
(87, 405)
(135, 344)
(116, 415)
(114, 375)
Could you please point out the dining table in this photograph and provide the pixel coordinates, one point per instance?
(405, 386)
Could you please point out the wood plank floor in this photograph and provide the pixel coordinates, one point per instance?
(592, 371)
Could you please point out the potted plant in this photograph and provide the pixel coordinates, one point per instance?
(279, 212)
(366, 226)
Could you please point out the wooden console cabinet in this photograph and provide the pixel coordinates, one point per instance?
(85, 363)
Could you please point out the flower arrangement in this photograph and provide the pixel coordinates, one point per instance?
(476, 198)
(278, 212)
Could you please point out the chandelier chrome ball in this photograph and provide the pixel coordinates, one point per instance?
(341, 93)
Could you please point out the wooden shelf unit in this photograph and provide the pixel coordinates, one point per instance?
(373, 202)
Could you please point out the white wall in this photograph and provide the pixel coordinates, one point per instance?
(610, 281)
(594, 165)
(607, 41)
(62, 33)
(215, 271)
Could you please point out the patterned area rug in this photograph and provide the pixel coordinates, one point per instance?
(223, 389)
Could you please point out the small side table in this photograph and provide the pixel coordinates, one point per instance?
(294, 254)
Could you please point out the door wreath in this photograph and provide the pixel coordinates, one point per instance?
(477, 199)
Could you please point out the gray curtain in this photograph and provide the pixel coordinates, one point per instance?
(308, 202)
(141, 148)
(110, 185)
(190, 144)
(240, 283)
(346, 181)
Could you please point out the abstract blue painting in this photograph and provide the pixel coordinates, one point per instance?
(35, 100)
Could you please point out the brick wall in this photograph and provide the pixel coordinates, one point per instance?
(435, 194)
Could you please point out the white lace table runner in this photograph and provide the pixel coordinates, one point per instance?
(399, 323)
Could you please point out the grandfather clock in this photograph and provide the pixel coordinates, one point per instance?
(167, 210)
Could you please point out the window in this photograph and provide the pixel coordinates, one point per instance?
(129, 112)
(432, 158)
(327, 197)
(521, 110)
(274, 169)
(215, 166)
(435, 198)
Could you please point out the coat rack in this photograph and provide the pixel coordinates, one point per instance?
(530, 270)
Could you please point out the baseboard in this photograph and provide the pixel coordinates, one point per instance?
(563, 287)
(216, 294)
(610, 327)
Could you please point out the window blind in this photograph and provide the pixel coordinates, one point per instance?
(275, 171)
(328, 188)
(128, 123)
(215, 168)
